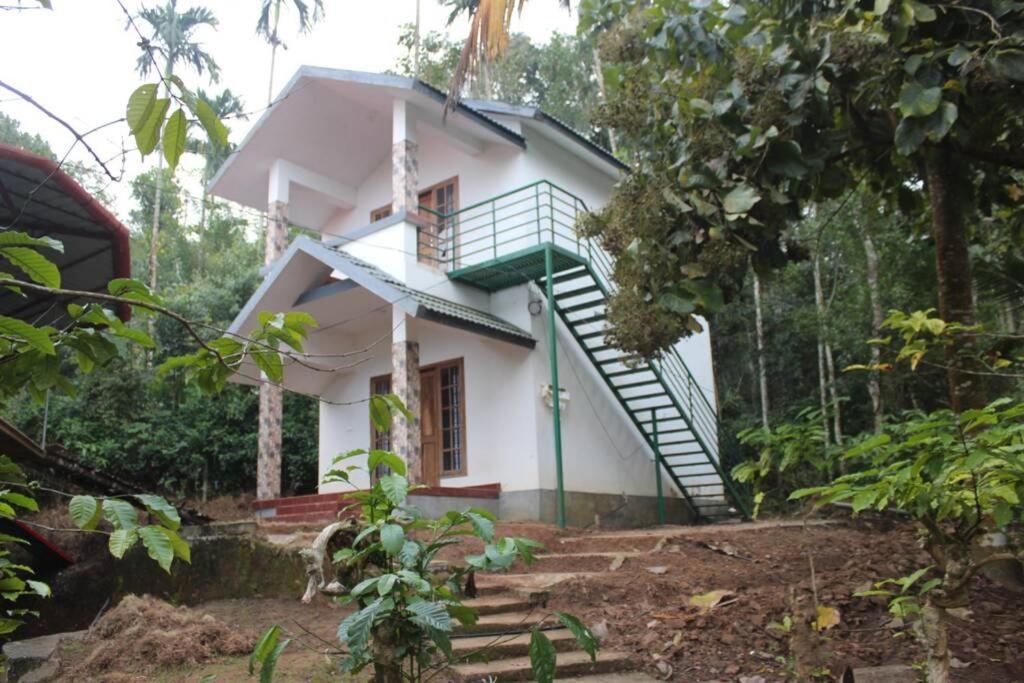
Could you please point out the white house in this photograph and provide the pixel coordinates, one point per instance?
(441, 262)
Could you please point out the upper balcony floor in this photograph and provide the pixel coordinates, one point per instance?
(340, 151)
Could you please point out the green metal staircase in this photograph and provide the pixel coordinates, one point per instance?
(528, 235)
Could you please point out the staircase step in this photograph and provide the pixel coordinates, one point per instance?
(570, 293)
(568, 277)
(592, 303)
(512, 646)
(507, 622)
(499, 604)
(568, 664)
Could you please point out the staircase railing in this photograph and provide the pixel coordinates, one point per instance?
(544, 212)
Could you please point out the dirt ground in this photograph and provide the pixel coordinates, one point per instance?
(643, 606)
(649, 613)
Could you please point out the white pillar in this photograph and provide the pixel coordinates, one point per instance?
(404, 162)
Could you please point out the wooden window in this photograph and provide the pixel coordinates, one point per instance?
(453, 418)
(441, 198)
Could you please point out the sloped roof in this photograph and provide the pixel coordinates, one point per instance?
(417, 303)
(39, 198)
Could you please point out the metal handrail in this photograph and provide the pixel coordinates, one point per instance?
(492, 223)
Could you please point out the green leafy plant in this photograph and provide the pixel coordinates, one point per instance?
(790, 455)
(406, 607)
(958, 476)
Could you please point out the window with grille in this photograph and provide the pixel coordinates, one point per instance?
(453, 419)
(380, 214)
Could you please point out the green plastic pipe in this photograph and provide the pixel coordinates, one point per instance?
(549, 268)
(657, 468)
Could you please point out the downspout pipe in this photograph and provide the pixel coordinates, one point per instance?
(555, 393)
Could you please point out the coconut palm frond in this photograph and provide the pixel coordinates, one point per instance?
(309, 14)
(489, 28)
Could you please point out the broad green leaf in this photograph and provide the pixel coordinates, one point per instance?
(13, 238)
(120, 513)
(922, 12)
(387, 458)
(959, 56)
(1002, 513)
(269, 363)
(431, 615)
(270, 662)
(35, 337)
(39, 588)
(484, 527)
(409, 554)
(1009, 64)
(386, 583)
(355, 629)
(365, 586)
(882, 6)
(181, 548)
(392, 538)
(380, 413)
(395, 487)
(910, 134)
(84, 512)
(917, 100)
(542, 657)
(161, 509)
(215, 129)
(939, 123)
(264, 646)
(132, 289)
(121, 541)
(140, 105)
(158, 545)
(148, 134)
(583, 635)
(21, 500)
(39, 269)
(740, 199)
(174, 137)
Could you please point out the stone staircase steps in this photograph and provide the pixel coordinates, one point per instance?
(498, 604)
(512, 646)
(569, 664)
(505, 622)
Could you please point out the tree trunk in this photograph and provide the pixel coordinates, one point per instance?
(935, 635)
(877, 317)
(154, 244)
(387, 663)
(825, 352)
(762, 373)
(946, 190)
(823, 389)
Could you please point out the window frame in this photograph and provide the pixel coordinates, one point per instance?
(464, 464)
(382, 212)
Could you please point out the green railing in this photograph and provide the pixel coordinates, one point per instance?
(539, 213)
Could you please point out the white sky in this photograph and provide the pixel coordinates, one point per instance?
(79, 61)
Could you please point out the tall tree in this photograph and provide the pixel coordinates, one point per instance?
(744, 112)
(224, 104)
(173, 42)
(269, 21)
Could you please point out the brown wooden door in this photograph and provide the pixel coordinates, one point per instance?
(430, 426)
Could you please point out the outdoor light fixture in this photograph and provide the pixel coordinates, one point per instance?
(534, 307)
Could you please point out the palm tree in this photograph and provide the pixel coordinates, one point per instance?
(270, 17)
(225, 105)
(173, 42)
(490, 23)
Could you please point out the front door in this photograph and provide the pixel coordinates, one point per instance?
(430, 432)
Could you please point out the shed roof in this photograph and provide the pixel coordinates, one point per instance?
(39, 198)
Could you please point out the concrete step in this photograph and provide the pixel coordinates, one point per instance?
(568, 665)
(499, 604)
(498, 647)
(304, 517)
(506, 622)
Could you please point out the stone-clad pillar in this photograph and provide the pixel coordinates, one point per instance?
(404, 162)
(405, 383)
(268, 462)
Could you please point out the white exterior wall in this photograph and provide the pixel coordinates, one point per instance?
(509, 427)
(498, 410)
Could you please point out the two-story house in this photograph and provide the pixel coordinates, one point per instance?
(441, 263)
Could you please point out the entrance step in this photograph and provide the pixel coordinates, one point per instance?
(499, 604)
(569, 664)
(511, 646)
(506, 622)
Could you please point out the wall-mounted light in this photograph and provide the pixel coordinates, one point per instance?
(534, 307)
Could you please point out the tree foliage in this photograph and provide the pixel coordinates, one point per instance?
(739, 116)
